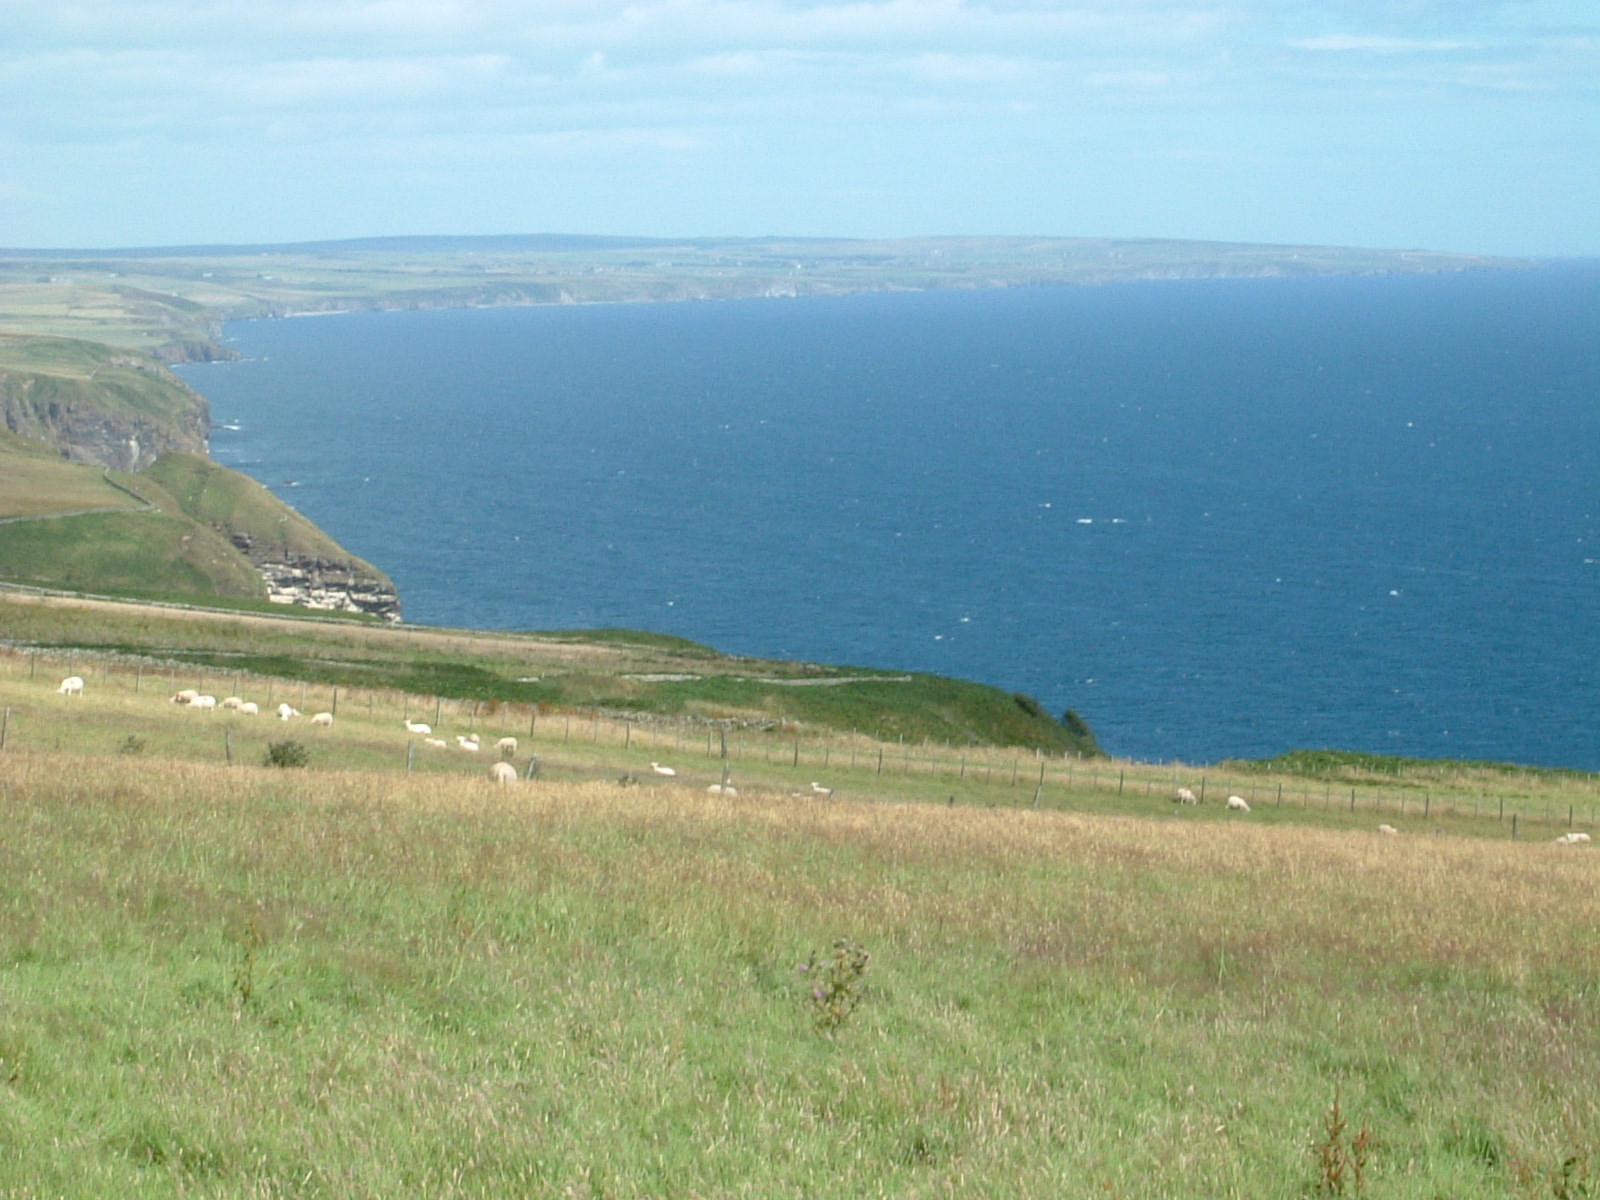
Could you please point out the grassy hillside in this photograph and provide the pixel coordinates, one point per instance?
(159, 553)
(641, 674)
(250, 982)
(239, 506)
(35, 479)
(179, 547)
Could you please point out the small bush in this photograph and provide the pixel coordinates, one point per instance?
(286, 754)
(132, 744)
(836, 982)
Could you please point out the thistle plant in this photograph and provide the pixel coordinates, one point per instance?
(836, 983)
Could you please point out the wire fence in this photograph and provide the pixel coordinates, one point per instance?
(600, 743)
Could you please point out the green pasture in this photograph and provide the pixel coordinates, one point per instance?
(248, 982)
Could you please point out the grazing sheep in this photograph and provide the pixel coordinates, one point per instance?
(1572, 839)
(207, 703)
(1185, 796)
(1387, 829)
(249, 708)
(187, 696)
(660, 770)
(467, 743)
(72, 685)
(1238, 804)
(436, 743)
(722, 789)
(232, 702)
(825, 792)
(286, 710)
(503, 772)
(417, 726)
(507, 746)
(322, 718)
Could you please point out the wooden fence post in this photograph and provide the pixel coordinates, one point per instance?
(5, 727)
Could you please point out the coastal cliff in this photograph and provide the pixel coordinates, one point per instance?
(98, 404)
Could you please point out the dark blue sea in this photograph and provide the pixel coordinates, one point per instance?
(1222, 518)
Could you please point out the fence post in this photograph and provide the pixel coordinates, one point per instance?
(5, 727)
(880, 760)
(411, 754)
(334, 707)
(796, 761)
(227, 745)
(1120, 775)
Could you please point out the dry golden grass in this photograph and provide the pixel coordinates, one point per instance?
(373, 981)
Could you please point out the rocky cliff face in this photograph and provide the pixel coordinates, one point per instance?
(125, 421)
(320, 583)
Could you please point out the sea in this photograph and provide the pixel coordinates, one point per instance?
(1220, 518)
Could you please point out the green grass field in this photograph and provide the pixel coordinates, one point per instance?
(382, 974)
(249, 982)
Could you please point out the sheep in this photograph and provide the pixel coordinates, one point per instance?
(825, 792)
(436, 743)
(660, 770)
(1238, 804)
(1572, 839)
(466, 743)
(72, 685)
(205, 703)
(1185, 796)
(322, 718)
(232, 702)
(1387, 829)
(186, 696)
(249, 708)
(722, 789)
(503, 772)
(286, 710)
(507, 746)
(417, 726)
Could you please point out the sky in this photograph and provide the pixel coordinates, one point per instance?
(1457, 125)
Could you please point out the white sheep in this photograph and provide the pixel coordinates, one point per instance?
(186, 696)
(722, 789)
(205, 703)
(436, 743)
(1572, 839)
(1185, 796)
(249, 708)
(1387, 829)
(507, 746)
(503, 772)
(287, 710)
(72, 685)
(660, 770)
(232, 702)
(467, 743)
(417, 726)
(322, 718)
(825, 792)
(1238, 804)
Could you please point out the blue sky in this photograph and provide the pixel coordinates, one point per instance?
(1464, 125)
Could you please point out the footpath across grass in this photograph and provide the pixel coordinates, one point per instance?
(250, 982)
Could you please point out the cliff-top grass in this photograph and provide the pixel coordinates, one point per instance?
(258, 982)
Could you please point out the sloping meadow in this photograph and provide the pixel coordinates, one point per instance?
(278, 983)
